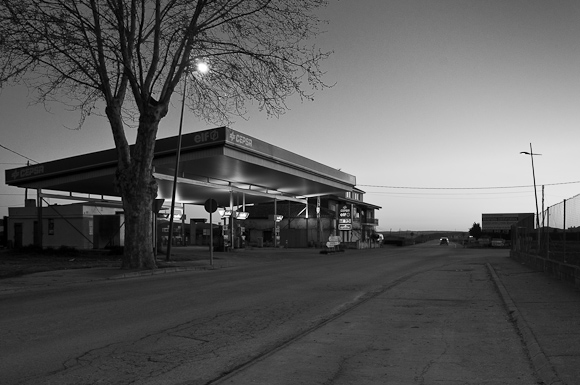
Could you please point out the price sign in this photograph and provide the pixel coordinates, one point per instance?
(344, 214)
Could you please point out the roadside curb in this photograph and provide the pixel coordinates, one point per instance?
(167, 270)
(539, 360)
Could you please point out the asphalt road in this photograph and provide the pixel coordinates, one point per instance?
(220, 326)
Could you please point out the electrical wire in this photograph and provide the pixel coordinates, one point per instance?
(25, 157)
(463, 188)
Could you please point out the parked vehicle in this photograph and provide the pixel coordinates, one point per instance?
(497, 242)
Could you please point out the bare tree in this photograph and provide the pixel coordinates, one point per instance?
(132, 54)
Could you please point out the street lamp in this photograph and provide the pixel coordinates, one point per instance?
(201, 68)
(531, 154)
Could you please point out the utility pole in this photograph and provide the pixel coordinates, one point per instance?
(531, 154)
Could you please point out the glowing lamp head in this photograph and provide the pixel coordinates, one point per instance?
(224, 213)
(202, 67)
(242, 215)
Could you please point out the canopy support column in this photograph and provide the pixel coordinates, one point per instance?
(39, 218)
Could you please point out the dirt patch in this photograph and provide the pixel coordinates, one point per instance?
(14, 263)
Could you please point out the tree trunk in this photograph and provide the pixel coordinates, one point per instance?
(137, 186)
(138, 195)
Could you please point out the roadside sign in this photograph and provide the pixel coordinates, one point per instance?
(158, 204)
(333, 240)
(344, 226)
(210, 205)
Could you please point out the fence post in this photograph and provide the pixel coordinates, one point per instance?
(548, 240)
(564, 228)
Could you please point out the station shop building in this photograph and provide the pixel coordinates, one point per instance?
(288, 200)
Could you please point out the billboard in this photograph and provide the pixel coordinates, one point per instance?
(502, 222)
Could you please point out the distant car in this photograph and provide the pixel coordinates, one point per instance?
(497, 242)
(444, 241)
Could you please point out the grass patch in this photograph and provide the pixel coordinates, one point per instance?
(30, 260)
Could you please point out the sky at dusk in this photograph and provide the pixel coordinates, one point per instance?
(431, 105)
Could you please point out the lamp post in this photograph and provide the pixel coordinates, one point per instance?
(531, 154)
(202, 68)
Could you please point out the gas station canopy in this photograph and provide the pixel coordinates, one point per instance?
(215, 163)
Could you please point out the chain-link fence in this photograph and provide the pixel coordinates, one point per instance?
(558, 237)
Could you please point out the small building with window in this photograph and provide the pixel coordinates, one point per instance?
(84, 225)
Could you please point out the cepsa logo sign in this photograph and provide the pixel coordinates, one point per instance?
(206, 136)
(27, 171)
(241, 139)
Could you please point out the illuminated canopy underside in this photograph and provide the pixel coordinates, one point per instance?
(212, 163)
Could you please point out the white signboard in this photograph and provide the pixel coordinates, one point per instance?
(333, 240)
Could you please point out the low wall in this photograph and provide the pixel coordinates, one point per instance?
(560, 270)
(360, 245)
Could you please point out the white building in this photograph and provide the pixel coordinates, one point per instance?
(81, 225)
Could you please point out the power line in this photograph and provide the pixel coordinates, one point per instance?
(462, 188)
(452, 193)
(25, 157)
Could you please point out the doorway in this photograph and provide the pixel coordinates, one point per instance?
(18, 235)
